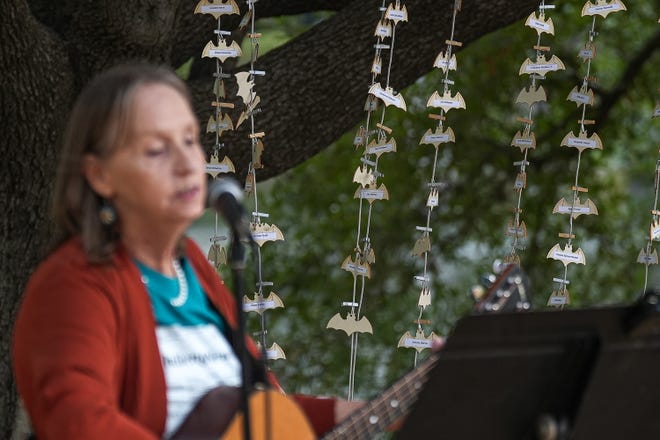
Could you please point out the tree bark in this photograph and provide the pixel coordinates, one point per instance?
(313, 92)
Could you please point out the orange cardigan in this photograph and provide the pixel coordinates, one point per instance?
(85, 353)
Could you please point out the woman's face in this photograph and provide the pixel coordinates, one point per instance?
(157, 177)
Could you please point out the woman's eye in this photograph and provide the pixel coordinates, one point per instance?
(156, 151)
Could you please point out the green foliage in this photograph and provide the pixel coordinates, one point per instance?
(314, 206)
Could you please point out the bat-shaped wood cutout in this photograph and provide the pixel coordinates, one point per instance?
(566, 255)
(360, 137)
(541, 66)
(423, 244)
(263, 232)
(396, 13)
(383, 30)
(531, 95)
(220, 126)
(588, 52)
(380, 147)
(424, 298)
(438, 136)
(222, 51)
(257, 151)
(419, 342)
(540, 24)
(248, 188)
(371, 193)
(559, 298)
(647, 258)
(446, 102)
(433, 199)
(377, 65)
(366, 255)
(521, 181)
(388, 96)
(215, 167)
(245, 20)
(259, 303)
(219, 88)
(523, 140)
(582, 142)
(516, 231)
(364, 176)
(350, 324)
(582, 96)
(245, 87)
(371, 104)
(217, 8)
(442, 61)
(250, 108)
(603, 7)
(654, 230)
(564, 207)
(273, 352)
(357, 269)
(217, 255)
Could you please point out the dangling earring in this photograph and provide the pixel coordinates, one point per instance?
(107, 213)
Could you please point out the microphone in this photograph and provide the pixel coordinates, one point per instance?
(226, 197)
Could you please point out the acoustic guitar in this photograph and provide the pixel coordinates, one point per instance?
(274, 416)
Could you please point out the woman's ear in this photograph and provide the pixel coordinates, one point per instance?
(96, 174)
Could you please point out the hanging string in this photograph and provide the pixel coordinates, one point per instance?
(581, 95)
(367, 175)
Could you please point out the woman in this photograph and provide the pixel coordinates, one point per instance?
(125, 325)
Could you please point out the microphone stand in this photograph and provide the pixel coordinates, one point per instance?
(237, 265)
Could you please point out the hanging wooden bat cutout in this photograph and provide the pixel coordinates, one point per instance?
(564, 207)
(364, 176)
(647, 258)
(422, 245)
(446, 102)
(559, 297)
(245, 20)
(388, 96)
(588, 52)
(222, 51)
(245, 87)
(217, 255)
(396, 13)
(433, 199)
(383, 30)
(263, 232)
(424, 298)
(566, 255)
(259, 304)
(582, 96)
(602, 7)
(357, 269)
(442, 61)
(521, 181)
(582, 142)
(519, 231)
(273, 352)
(371, 193)
(219, 126)
(250, 108)
(215, 167)
(438, 136)
(541, 66)
(654, 230)
(217, 8)
(531, 95)
(257, 151)
(540, 24)
(377, 65)
(380, 147)
(524, 140)
(219, 88)
(419, 342)
(350, 324)
(371, 104)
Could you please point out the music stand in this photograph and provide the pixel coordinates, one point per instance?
(586, 374)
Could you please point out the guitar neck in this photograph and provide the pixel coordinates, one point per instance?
(376, 415)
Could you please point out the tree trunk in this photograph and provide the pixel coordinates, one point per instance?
(313, 92)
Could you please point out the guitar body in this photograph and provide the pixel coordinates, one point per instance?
(286, 419)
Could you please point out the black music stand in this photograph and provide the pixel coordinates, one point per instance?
(586, 374)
